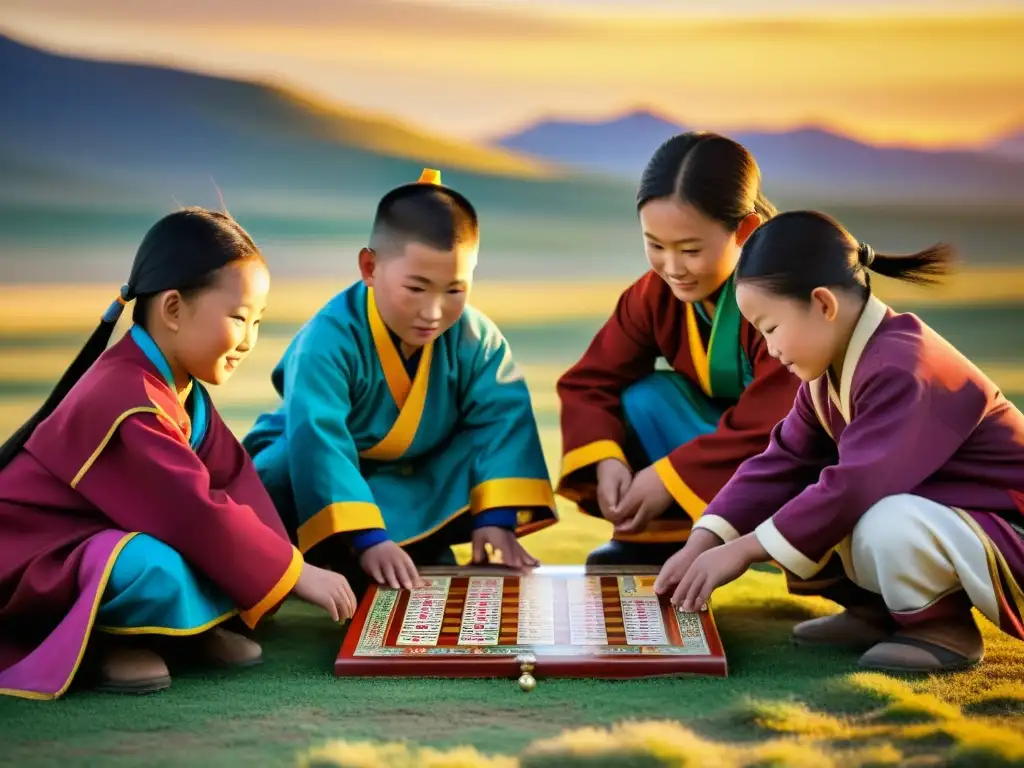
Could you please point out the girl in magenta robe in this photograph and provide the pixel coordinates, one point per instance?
(896, 481)
(126, 504)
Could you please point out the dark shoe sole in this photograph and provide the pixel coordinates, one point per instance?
(138, 687)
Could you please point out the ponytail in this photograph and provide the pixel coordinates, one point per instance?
(795, 252)
(920, 268)
(183, 251)
(764, 208)
(88, 355)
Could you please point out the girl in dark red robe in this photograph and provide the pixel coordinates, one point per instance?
(899, 470)
(649, 449)
(126, 505)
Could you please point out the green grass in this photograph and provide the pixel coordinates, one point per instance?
(291, 703)
(779, 706)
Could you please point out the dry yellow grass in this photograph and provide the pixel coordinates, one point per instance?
(790, 734)
(78, 307)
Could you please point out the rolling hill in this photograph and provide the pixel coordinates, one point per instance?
(133, 128)
(92, 152)
(799, 165)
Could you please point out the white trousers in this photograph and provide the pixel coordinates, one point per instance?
(913, 552)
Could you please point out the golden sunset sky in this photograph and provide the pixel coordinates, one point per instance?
(924, 72)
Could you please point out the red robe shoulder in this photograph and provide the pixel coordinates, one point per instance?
(120, 441)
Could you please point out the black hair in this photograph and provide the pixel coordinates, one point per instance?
(714, 174)
(435, 216)
(184, 251)
(799, 251)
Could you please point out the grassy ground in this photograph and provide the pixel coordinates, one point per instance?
(779, 706)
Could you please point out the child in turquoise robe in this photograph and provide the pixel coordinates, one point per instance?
(405, 425)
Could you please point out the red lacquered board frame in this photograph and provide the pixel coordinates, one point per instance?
(569, 621)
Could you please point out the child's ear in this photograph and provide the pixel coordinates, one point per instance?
(169, 309)
(825, 304)
(367, 265)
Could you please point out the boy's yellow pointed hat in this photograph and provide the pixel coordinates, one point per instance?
(430, 176)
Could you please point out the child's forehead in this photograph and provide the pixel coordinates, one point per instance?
(244, 280)
(436, 265)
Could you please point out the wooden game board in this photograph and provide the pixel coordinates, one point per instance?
(566, 621)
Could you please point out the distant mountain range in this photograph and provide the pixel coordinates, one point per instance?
(92, 152)
(84, 133)
(807, 164)
(1011, 145)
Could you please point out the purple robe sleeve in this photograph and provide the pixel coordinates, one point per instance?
(798, 449)
(895, 440)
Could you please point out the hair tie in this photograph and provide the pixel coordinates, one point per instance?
(865, 254)
(117, 305)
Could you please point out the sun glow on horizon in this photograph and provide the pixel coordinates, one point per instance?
(882, 76)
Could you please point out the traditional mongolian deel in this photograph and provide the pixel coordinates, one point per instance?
(695, 424)
(562, 621)
(361, 443)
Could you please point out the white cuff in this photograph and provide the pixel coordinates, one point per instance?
(718, 526)
(784, 553)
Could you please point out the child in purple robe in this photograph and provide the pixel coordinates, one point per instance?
(895, 483)
(128, 510)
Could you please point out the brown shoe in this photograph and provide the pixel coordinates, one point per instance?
(940, 646)
(224, 648)
(854, 628)
(132, 670)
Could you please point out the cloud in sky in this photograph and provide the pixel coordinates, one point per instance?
(475, 68)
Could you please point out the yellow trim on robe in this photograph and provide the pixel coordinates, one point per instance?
(101, 588)
(168, 631)
(698, 354)
(511, 492)
(591, 453)
(279, 592)
(659, 532)
(398, 439)
(106, 439)
(997, 564)
(339, 517)
(391, 364)
(692, 504)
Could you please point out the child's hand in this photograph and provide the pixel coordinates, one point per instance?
(613, 481)
(646, 499)
(504, 541)
(387, 563)
(677, 566)
(715, 568)
(329, 590)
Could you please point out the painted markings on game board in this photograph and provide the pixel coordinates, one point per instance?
(488, 615)
(586, 615)
(536, 611)
(481, 616)
(425, 613)
(641, 611)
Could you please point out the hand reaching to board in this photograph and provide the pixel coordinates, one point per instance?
(504, 541)
(326, 589)
(387, 563)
